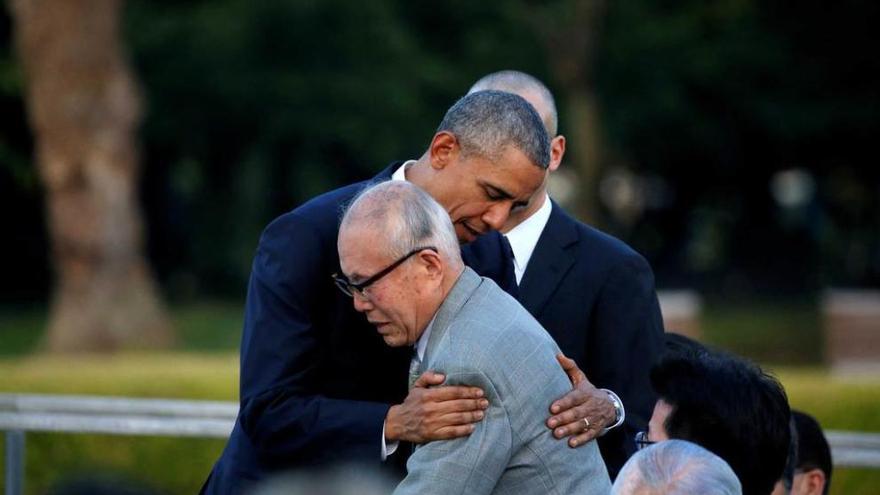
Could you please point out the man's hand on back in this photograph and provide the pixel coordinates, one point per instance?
(584, 402)
(437, 413)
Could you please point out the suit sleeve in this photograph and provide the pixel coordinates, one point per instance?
(469, 465)
(627, 338)
(282, 412)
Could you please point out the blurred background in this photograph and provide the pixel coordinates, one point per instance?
(144, 145)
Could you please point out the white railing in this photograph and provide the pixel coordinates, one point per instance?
(21, 413)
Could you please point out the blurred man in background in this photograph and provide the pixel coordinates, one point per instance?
(593, 293)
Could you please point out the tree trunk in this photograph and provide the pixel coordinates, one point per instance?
(84, 108)
(570, 31)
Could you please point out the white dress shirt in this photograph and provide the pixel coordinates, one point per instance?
(400, 173)
(421, 345)
(524, 237)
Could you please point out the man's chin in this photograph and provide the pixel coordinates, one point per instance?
(393, 341)
(465, 234)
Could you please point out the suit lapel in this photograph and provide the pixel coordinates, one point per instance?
(461, 292)
(550, 261)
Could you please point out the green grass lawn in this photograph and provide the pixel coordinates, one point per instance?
(786, 339)
(180, 465)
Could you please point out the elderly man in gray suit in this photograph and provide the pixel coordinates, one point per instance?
(401, 264)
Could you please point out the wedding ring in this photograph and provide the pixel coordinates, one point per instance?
(586, 424)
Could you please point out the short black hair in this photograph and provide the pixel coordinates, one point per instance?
(792, 459)
(813, 449)
(731, 407)
(487, 122)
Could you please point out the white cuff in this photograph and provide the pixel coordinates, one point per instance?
(618, 407)
(387, 449)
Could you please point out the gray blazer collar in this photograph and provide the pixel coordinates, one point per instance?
(464, 287)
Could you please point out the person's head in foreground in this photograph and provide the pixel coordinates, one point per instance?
(488, 156)
(676, 467)
(728, 406)
(400, 258)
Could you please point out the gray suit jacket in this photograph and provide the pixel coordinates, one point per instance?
(483, 337)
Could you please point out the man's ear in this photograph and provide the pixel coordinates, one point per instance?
(814, 481)
(444, 149)
(432, 263)
(557, 151)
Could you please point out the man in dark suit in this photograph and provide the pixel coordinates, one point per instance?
(592, 293)
(317, 383)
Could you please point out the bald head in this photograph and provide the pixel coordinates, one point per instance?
(676, 467)
(402, 217)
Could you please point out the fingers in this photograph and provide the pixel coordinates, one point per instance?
(429, 379)
(459, 419)
(566, 363)
(451, 425)
(572, 399)
(449, 432)
(571, 369)
(451, 392)
(571, 426)
(599, 414)
(462, 405)
(582, 438)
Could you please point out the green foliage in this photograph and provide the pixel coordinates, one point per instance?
(205, 326)
(254, 107)
(21, 330)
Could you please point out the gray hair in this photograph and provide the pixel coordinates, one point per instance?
(487, 122)
(404, 217)
(516, 82)
(676, 467)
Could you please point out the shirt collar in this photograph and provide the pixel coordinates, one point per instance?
(422, 343)
(400, 173)
(524, 237)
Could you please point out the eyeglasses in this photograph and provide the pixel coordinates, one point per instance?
(349, 288)
(642, 440)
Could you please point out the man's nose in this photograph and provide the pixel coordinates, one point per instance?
(361, 302)
(496, 215)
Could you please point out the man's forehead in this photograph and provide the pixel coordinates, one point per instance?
(353, 251)
(514, 173)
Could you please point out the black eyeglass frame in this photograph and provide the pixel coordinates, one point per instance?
(642, 441)
(349, 288)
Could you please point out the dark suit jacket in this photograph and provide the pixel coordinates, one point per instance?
(596, 297)
(316, 378)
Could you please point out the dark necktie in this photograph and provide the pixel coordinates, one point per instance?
(414, 365)
(508, 274)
